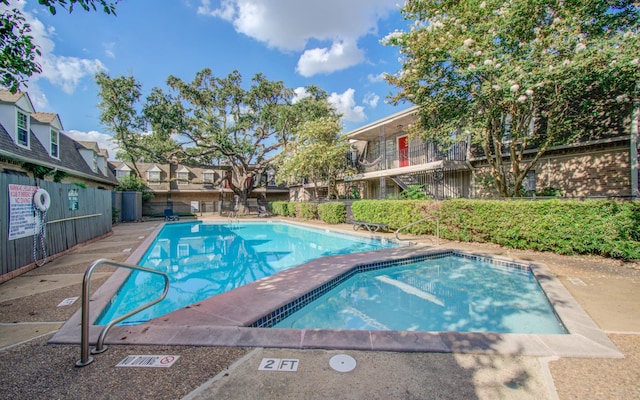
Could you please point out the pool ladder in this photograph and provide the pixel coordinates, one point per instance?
(85, 358)
(417, 222)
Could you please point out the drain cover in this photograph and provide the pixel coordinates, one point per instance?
(342, 363)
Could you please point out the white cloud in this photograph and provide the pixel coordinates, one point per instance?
(289, 25)
(109, 49)
(104, 140)
(377, 78)
(299, 94)
(371, 99)
(346, 105)
(62, 71)
(341, 55)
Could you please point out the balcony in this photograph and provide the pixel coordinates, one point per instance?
(416, 158)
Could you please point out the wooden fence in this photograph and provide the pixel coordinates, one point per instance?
(76, 215)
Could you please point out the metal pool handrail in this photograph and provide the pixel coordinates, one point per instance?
(417, 222)
(85, 358)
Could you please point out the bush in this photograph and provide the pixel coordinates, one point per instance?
(398, 213)
(280, 208)
(607, 228)
(306, 210)
(333, 213)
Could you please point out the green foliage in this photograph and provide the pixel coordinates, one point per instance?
(108, 7)
(413, 192)
(280, 208)
(80, 184)
(306, 210)
(607, 228)
(119, 114)
(490, 70)
(398, 213)
(315, 154)
(333, 212)
(40, 172)
(18, 52)
(133, 183)
(549, 191)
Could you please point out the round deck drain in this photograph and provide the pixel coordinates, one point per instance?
(342, 363)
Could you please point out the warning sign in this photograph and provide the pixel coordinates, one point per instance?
(22, 220)
(149, 361)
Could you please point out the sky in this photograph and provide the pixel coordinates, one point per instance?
(333, 44)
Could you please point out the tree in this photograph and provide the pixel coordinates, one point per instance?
(225, 123)
(316, 153)
(119, 113)
(18, 52)
(133, 183)
(517, 75)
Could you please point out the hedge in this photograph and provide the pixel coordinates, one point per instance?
(605, 227)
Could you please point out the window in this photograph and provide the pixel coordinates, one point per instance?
(122, 174)
(54, 143)
(153, 177)
(183, 177)
(529, 182)
(183, 250)
(23, 129)
(207, 176)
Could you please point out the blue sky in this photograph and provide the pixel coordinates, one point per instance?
(333, 44)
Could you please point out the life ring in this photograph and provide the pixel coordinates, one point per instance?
(42, 200)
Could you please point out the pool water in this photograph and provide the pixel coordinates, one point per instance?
(444, 294)
(204, 260)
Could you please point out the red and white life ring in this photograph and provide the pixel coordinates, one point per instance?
(41, 200)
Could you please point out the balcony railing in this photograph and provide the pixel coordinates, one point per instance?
(420, 154)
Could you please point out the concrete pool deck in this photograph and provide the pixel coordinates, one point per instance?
(609, 296)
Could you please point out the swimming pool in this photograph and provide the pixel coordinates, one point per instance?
(206, 259)
(440, 294)
(228, 319)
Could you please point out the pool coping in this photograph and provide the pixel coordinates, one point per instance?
(222, 320)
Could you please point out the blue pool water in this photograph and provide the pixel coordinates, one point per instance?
(203, 260)
(453, 293)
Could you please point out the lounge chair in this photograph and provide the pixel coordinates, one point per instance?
(169, 216)
(263, 212)
(371, 226)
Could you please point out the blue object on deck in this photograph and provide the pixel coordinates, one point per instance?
(169, 216)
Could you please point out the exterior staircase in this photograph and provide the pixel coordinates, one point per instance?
(404, 181)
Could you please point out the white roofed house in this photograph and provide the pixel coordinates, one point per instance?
(29, 139)
(50, 185)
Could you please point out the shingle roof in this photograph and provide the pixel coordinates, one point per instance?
(9, 97)
(70, 159)
(44, 117)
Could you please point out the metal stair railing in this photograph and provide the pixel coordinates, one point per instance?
(85, 358)
(419, 221)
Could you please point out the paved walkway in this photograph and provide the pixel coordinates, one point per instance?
(30, 312)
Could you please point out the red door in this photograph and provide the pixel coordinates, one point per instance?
(403, 151)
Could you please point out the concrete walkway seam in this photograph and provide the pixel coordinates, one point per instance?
(199, 390)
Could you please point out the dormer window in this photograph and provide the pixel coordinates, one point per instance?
(55, 136)
(23, 129)
(123, 171)
(153, 175)
(207, 176)
(183, 176)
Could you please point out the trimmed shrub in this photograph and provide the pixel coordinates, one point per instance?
(398, 213)
(333, 212)
(306, 210)
(280, 208)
